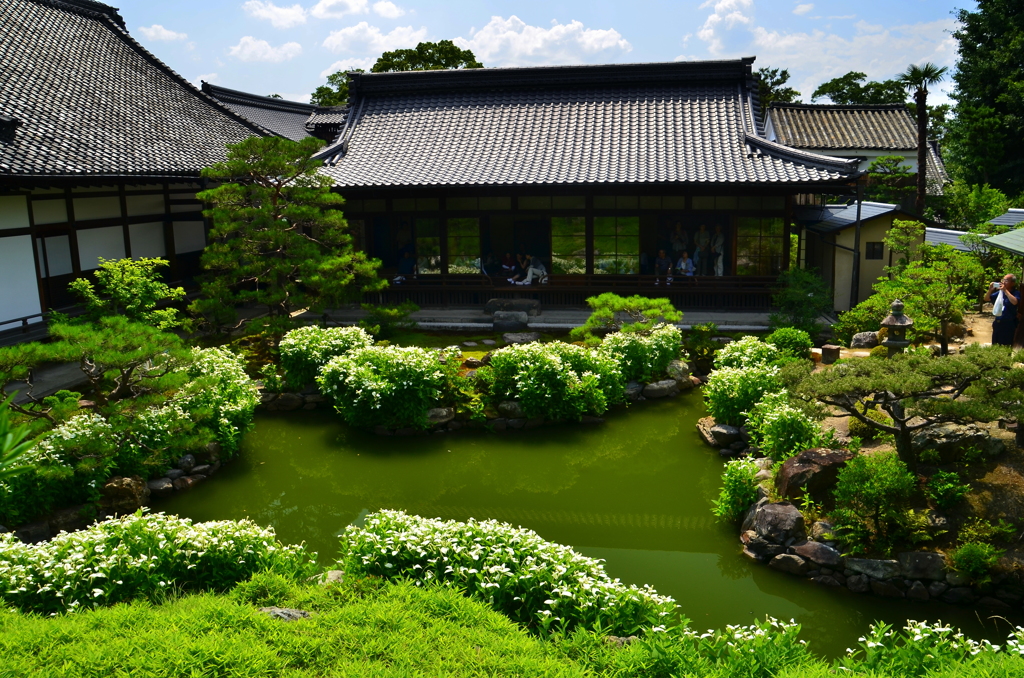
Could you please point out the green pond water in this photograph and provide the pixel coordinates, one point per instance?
(636, 491)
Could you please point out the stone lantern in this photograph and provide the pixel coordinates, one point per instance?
(896, 339)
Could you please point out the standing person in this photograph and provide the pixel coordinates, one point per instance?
(679, 239)
(702, 244)
(718, 250)
(1005, 325)
(662, 267)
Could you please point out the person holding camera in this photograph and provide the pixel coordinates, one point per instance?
(1005, 324)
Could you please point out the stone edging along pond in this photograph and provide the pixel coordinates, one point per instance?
(776, 534)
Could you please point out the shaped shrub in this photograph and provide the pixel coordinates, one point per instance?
(747, 352)
(222, 397)
(555, 380)
(536, 583)
(643, 357)
(389, 386)
(791, 342)
(307, 349)
(732, 392)
(778, 429)
(141, 555)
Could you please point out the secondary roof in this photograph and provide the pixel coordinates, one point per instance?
(831, 218)
(695, 122)
(287, 118)
(88, 100)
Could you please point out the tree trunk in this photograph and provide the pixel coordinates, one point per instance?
(943, 340)
(921, 97)
(904, 448)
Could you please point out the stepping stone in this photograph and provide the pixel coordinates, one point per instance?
(489, 342)
(469, 343)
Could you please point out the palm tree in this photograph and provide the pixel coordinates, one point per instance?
(916, 79)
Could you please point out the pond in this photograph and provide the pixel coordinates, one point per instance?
(635, 491)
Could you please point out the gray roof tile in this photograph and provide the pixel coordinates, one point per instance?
(287, 118)
(1012, 218)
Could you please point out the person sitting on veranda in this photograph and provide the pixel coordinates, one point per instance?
(406, 267)
(536, 270)
(508, 265)
(1005, 324)
(662, 267)
(685, 264)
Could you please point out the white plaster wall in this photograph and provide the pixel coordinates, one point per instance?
(58, 255)
(13, 212)
(147, 240)
(94, 243)
(50, 211)
(20, 295)
(97, 208)
(189, 236)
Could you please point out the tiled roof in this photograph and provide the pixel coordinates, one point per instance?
(641, 123)
(287, 118)
(945, 236)
(91, 101)
(1011, 218)
(830, 218)
(883, 127)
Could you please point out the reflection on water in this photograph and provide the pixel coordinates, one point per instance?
(636, 492)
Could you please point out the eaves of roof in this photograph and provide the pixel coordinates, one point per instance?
(1011, 218)
(1011, 241)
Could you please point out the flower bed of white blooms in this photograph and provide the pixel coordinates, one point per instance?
(227, 394)
(537, 583)
(643, 357)
(139, 556)
(307, 349)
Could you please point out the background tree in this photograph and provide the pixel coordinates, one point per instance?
(890, 179)
(277, 239)
(903, 239)
(917, 79)
(609, 312)
(987, 132)
(855, 88)
(426, 56)
(965, 206)
(335, 92)
(771, 86)
(132, 288)
(802, 297)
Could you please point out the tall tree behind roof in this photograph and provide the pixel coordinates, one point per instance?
(426, 56)
(854, 88)
(771, 86)
(916, 79)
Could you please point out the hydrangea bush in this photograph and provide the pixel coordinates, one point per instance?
(390, 386)
(221, 396)
(539, 584)
(643, 357)
(748, 352)
(731, 392)
(778, 429)
(307, 349)
(139, 556)
(555, 380)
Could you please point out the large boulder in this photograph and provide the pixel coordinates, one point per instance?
(161, 487)
(528, 306)
(70, 519)
(510, 321)
(951, 440)
(704, 426)
(780, 523)
(789, 563)
(661, 389)
(814, 471)
(124, 495)
(286, 402)
(634, 391)
(725, 435)
(864, 340)
(510, 409)
(818, 553)
(923, 565)
(757, 548)
(876, 569)
(520, 337)
(679, 371)
(438, 416)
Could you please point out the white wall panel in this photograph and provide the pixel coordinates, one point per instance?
(17, 279)
(141, 205)
(94, 243)
(189, 236)
(147, 240)
(97, 208)
(13, 212)
(50, 211)
(58, 255)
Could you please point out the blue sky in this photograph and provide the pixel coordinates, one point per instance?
(290, 46)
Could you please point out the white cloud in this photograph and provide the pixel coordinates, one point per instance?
(364, 38)
(279, 17)
(251, 49)
(301, 98)
(388, 9)
(726, 14)
(158, 32)
(335, 9)
(511, 42)
(208, 77)
(348, 65)
(842, 16)
(803, 9)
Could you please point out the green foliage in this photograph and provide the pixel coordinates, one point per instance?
(866, 431)
(335, 92)
(879, 352)
(277, 239)
(138, 556)
(643, 357)
(304, 351)
(801, 298)
(779, 430)
(700, 347)
(946, 490)
(746, 352)
(739, 489)
(219, 397)
(538, 584)
(855, 88)
(389, 386)
(771, 86)
(732, 392)
(555, 380)
(607, 312)
(921, 649)
(975, 560)
(791, 342)
(129, 287)
(426, 56)
(866, 316)
(916, 79)
(15, 442)
(890, 179)
(384, 322)
(904, 238)
(965, 206)
(872, 494)
(980, 530)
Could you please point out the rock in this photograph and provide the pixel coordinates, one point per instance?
(826, 580)
(309, 406)
(4, 530)
(314, 399)
(1009, 596)
(917, 591)
(175, 473)
(760, 476)
(286, 402)
(516, 423)
(70, 519)
(820, 529)
(529, 306)
(955, 579)
(819, 553)
(161, 487)
(830, 353)
(587, 419)
(470, 344)
(186, 463)
(619, 641)
(864, 340)
(438, 416)
(748, 517)
(725, 435)
(696, 381)
(214, 467)
(489, 342)
(331, 577)
(886, 589)
(213, 451)
(510, 321)
(472, 363)
(486, 359)
(923, 565)
(678, 370)
(937, 588)
(789, 563)
(704, 426)
(779, 523)
(33, 533)
(124, 495)
(470, 374)
(960, 595)
(726, 453)
(685, 384)
(520, 337)
(455, 425)
(877, 569)
(267, 398)
(634, 391)
(758, 548)
(950, 440)
(498, 425)
(661, 389)
(201, 470)
(858, 583)
(510, 409)
(186, 483)
(992, 603)
(814, 471)
(284, 613)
